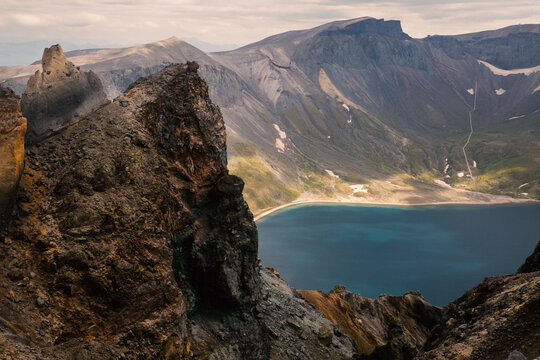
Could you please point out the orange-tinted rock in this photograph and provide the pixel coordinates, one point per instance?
(12, 131)
(389, 327)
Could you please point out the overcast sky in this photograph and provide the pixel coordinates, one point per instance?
(127, 22)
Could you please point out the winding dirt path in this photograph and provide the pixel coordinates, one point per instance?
(472, 130)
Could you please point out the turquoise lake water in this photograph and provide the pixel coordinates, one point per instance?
(440, 250)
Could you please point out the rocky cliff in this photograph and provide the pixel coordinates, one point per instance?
(12, 131)
(130, 240)
(59, 95)
(364, 100)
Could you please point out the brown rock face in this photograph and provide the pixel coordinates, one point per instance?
(12, 131)
(389, 327)
(113, 209)
(59, 96)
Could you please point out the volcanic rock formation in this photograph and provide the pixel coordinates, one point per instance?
(389, 327)
(133, 241)
(12, 131)
(59, 96)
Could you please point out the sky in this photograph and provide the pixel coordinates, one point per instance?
(231, 23)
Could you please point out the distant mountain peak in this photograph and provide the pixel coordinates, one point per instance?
(169, 41)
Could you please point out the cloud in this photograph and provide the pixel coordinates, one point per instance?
(129, 22)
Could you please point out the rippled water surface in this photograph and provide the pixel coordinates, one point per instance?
(439, 250)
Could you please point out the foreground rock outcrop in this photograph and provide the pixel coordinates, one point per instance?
(131, 240)
(59, 95)
(89, 258)
(12, 131)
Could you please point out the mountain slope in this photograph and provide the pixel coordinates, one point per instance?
(313, 112)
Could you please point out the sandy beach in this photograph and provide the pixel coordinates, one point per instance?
(462, 197)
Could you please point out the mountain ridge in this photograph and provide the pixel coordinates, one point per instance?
(363, 100)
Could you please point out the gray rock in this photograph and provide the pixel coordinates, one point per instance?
(59, 96)
(40, 302)
(516, 355)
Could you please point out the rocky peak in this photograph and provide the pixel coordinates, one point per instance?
(376, 26)
(12, 131)
(54, 61)
(59, 95)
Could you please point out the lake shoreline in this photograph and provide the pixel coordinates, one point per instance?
(496, 200)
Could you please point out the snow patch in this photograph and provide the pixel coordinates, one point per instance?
(537, 88)
(524, 194)
(500, 91)
(470, 91)
(446, 168)
(346, 107)
(363, 188)
(474, 164)
(281, 133)
(497, 71)
(516, 117)
(349, 121)
(328, 137)
(331, 173)
(280, 146)
(460, 174)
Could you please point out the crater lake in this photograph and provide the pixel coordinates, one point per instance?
(440, 250)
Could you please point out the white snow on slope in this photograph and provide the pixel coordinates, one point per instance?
(500, 91)
(470, 91)
(359, 188)
(282, 134)
(502, 72)
(537, 88)
(280, 146)
(331, 173)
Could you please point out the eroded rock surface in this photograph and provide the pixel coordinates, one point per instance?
(389, 327)
(12, 131)
(59, 95)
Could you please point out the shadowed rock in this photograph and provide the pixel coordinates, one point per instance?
(59, 95)
(12, 130)
(532, 263)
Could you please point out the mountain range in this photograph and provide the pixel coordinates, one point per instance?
(358, 109)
